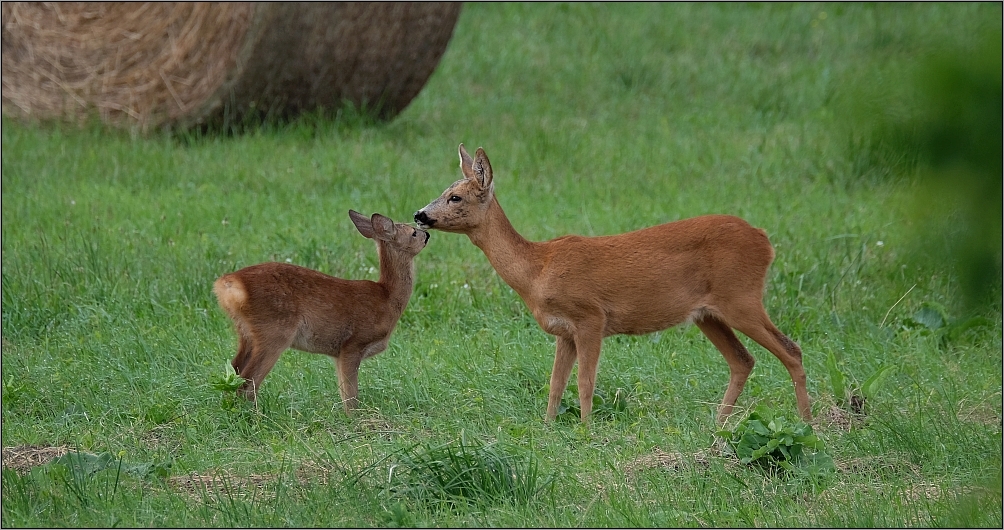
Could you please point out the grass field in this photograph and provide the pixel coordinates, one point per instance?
(598, 119)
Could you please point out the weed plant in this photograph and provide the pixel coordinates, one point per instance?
(599, 119)
(772, 442)
(467, 473)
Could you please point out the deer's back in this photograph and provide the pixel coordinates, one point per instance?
(651, 278)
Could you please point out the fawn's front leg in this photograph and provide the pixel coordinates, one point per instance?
(348, 379)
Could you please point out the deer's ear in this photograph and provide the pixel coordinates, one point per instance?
(363, 223)
(466, 164)
(482, 169)
(383, 227)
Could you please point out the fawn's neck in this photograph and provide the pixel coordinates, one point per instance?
(513, 257)
(397, 275)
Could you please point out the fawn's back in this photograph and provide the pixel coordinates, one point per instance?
(317, 311)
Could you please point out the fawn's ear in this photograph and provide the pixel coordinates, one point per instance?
(477, 168)
(363, 223)
(383, 227)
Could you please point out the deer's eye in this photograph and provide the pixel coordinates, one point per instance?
(455, 198)
(415, 233)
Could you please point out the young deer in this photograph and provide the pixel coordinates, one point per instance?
(709, 270)
(276, 306)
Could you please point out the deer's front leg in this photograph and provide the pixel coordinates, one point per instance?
(588, 341)
(564, 358)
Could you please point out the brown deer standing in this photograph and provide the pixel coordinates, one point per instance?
(709, 270)
(276, 306)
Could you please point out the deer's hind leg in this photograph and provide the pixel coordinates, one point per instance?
(739, 359)
(758, 326)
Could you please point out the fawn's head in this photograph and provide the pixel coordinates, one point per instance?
(398, 236)
(463, 205)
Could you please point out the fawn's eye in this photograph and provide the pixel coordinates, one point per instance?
(455, 198)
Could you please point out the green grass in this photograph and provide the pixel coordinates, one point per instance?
(598, 119)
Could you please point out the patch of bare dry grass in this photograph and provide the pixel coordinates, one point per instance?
(23, 458)
(671, 461)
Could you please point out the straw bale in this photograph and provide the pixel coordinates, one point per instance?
(153, 65)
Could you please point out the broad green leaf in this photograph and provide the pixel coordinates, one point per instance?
(87, 463)
(874, 383)
(932, 316)
(229, 381)
(957, 329)
(837, 379)
(759, 427)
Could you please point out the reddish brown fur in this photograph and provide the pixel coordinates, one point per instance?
(276, 306)
(709, 270)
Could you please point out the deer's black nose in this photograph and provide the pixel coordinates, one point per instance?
(423, 219)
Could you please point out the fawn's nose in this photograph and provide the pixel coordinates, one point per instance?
(422, 219)
(427, 237)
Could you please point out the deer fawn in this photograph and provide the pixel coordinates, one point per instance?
(709, 270)
(276, 306)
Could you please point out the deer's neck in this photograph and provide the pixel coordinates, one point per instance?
(513, 257)
(397, 275)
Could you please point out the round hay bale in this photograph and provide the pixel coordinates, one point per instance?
(156, 65)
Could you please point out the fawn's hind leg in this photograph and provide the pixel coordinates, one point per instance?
(243, 352)
(264, 354)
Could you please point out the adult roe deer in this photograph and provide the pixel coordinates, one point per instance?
(276, 306)
(709, 270)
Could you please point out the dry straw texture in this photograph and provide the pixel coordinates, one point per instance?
(158, 65)
(24, 457)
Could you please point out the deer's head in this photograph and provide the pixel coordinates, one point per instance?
(464, 204)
